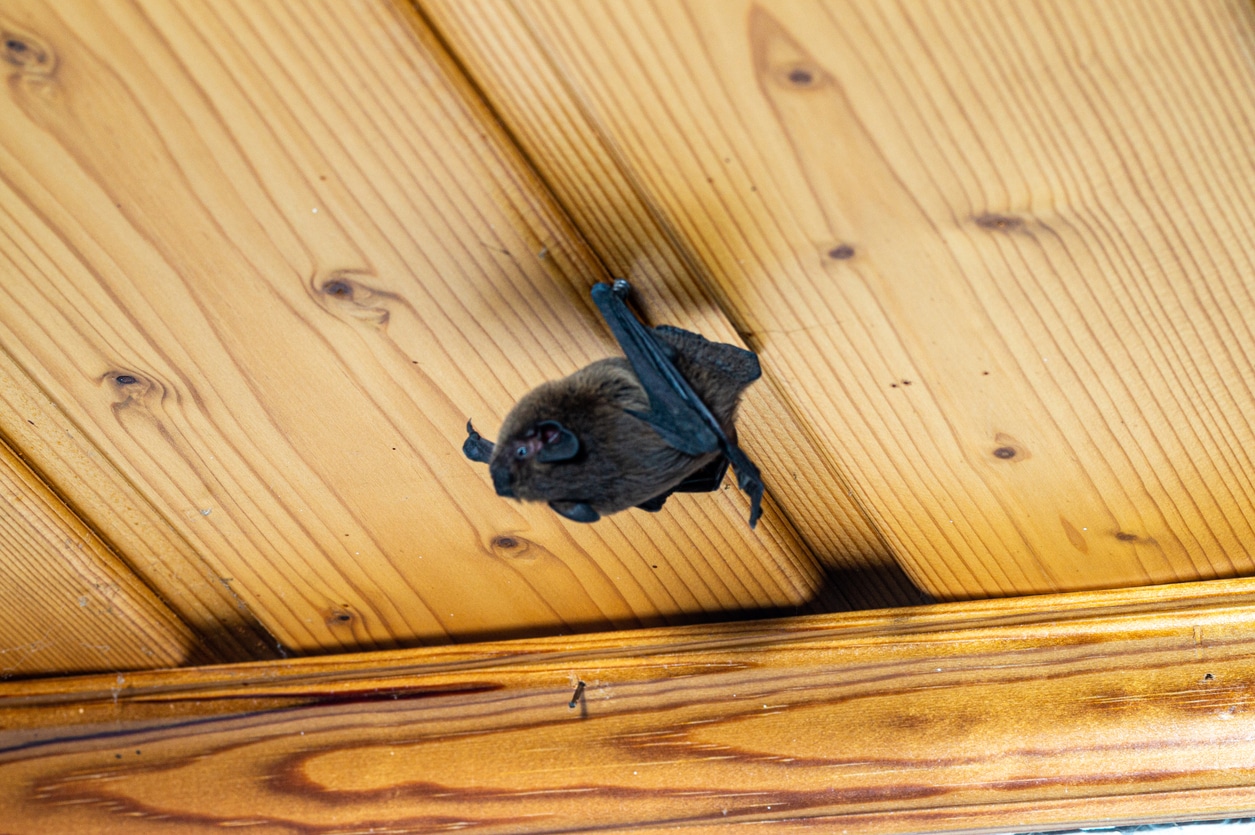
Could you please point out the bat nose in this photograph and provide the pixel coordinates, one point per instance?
(501, 482)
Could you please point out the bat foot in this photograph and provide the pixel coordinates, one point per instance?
(748, 479)
(655, 504)
(754, 489)
(576, 511)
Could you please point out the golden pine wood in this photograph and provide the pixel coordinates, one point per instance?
(628, 236)
(125, 522)
(70, 605)
(996, 255)
(266, 259)
(1026, 713)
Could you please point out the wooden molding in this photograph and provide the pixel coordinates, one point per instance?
(1024, 713)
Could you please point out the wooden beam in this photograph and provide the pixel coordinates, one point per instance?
(1050, 711)
(70, 605)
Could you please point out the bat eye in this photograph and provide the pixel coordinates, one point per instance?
(522, 452)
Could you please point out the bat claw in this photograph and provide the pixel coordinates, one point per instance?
(621, 287)
(748, 479)
(754, 490)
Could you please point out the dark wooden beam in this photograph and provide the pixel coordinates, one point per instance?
(1025, 713)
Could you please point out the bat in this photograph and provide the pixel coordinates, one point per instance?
(627, 432)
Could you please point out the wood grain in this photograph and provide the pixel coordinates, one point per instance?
(267, 259)
(996, 256)
(1028, 713)
(125, 522)
(70, 606)
(619, 223)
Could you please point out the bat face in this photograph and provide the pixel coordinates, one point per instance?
(581, 445)
(624, 433)
(529, 455)
(566, 440)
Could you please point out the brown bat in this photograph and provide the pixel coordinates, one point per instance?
(624, 433)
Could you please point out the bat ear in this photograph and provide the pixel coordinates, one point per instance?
(476, 447)
(560, 442)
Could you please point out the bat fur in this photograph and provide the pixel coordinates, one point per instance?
(575, 443)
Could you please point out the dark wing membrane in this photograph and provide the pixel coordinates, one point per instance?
(705, 480)
(655, 504)
(737, 364)
(675, 411)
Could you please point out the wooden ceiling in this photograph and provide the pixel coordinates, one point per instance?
(259, 262)
(261, 259)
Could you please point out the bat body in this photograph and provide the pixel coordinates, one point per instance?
(627, 432)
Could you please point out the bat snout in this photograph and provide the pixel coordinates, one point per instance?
(503, 483)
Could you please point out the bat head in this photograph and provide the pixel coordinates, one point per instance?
(565, 439)
(536, 446)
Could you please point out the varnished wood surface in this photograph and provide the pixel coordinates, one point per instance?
(1015, 714)
(70, 605)
(618, 222)
(260, 263)
(122, 520)
(996, 256)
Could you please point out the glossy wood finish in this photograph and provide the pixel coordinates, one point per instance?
(99, 497)
(1084, 708)
(995, 255)
(263, 261)
(255, 283)
(70, 605)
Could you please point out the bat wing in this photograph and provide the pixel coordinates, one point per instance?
(705, 480)
(736, 364)
(676, 413)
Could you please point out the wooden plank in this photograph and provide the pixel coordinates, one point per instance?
(70, 605)
(268, 258)
(631, 240)
(126, 523)
(1082, 709)
(997, 256)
